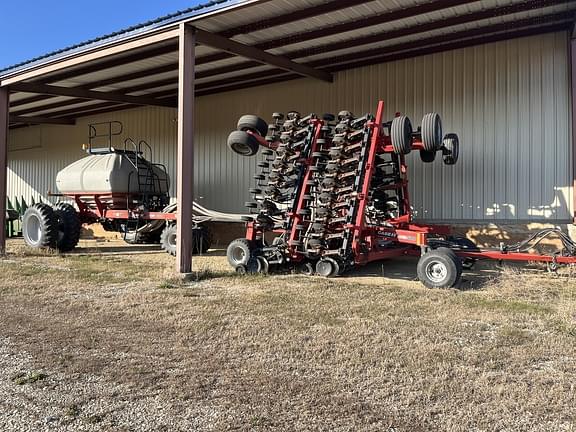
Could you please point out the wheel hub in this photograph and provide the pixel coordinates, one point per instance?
(34, 229)
(436, 271)
(238, 255)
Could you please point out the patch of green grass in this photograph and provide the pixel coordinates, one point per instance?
(28, 377)
(504, 305)
(513, 336)
(204, 275)
(108, 269)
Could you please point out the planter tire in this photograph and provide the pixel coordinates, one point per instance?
(401, 135)
(242, 143)
(451, 148)
(439, 268)
(432, 132)
(253, 123)
(40, 226)
(427, 156)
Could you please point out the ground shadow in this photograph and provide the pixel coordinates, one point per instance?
(404, 269)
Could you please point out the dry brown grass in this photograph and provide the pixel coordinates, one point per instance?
(292, 353)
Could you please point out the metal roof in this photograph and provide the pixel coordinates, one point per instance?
(328, 35)
(134, 30)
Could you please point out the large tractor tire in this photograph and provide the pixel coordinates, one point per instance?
(40, 226)
(69, 227)
(239, 252)
(168, 239)
(201, 239)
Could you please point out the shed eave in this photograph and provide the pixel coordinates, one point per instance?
(170, 27)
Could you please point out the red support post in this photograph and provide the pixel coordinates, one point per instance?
(4, 110)
(185, 177)
(572, 56)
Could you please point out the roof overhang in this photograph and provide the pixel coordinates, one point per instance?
(252, 43)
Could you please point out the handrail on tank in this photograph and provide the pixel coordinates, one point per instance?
(114, 128)
(142, 152)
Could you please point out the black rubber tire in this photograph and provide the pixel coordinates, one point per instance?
(306, 269)
(327, 267)
(427, 156)
(432, 132)
(263, 265)
(239, 252)
(201, 239)
(241, 270)
(401, 135)
(69, 227)
(451, 148)
(450, 252)
(40, 226)
(168, 239)
(345, 115)
(243, 143)
(439, 268)
(252, 123)
(466, 244)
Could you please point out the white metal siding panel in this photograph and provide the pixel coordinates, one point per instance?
(508, 101)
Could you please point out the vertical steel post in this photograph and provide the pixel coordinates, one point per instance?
(4, 109)
(185, 175)
(572, 57)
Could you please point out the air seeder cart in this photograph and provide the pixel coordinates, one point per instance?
(119, 188)
(334, 194)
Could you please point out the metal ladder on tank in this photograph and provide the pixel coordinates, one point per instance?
(149, 182)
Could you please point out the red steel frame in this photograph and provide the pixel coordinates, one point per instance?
(100, 211)
(411, 239)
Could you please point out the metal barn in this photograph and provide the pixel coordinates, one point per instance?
(500, 72)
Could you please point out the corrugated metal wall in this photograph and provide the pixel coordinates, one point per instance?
(508, 101)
